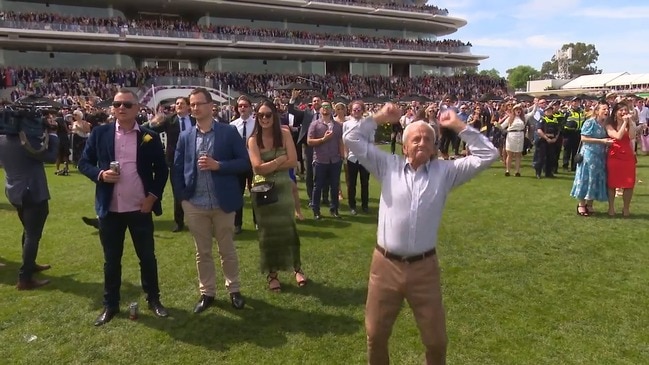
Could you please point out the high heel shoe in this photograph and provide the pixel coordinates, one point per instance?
(300, 278)
(582, 210)
(273, 282)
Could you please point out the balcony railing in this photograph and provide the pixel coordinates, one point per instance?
(125, 31)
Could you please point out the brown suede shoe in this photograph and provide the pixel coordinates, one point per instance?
(39, 268)
(31, 284)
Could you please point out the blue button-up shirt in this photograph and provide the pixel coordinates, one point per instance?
(412, 201)
(204, 196)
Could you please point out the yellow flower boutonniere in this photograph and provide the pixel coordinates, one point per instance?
(146, 138)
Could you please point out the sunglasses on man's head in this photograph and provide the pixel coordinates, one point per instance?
(126, 104)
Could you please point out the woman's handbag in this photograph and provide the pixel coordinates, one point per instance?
(579, 157)
(265, 193)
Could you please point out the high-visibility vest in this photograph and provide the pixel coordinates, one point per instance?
(551, 125)
(574, 121)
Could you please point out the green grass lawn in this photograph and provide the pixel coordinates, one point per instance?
(525, 281)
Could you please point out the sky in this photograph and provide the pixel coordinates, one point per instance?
(529, 32)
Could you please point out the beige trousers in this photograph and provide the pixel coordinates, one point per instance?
(205, 225)
(419, 283)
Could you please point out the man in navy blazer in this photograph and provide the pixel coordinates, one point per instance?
(26, 189)
(172, 126)
(208, 160)
(125, 198)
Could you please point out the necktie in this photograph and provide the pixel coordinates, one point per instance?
(244, 129)
(182, 123)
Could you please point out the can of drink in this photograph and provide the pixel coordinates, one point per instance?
(114, 167)
(133, 311)
(202, 153)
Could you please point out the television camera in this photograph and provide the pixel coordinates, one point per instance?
(28, 119)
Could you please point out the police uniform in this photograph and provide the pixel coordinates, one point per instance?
(545, 153)
(561, 117)
(572, 135)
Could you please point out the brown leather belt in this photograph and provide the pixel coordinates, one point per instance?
(406, 259)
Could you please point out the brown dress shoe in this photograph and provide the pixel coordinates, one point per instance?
(31, 284)
(39, 268)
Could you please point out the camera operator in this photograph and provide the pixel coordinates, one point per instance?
(26, 189)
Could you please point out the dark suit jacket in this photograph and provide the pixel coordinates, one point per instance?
(229, 150)
(151, 165)
(170, 126)
(305, 117)
(24, 171)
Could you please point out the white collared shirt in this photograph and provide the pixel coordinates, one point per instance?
(412, 202)
(250, 126)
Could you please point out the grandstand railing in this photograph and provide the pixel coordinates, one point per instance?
(125, 32)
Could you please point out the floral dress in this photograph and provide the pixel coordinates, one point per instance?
(590, 177)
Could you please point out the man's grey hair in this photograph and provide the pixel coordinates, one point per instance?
(414, 125)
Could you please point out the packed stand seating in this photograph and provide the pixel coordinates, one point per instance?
(186, 29)
(426, 8)
(103, 83)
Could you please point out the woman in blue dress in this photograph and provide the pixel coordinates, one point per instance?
(590, 177)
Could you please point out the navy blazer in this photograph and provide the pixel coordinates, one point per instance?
(306, 117)
(151, 165)
(231, 153)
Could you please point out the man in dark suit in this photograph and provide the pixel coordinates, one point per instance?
(126, 197)
(306, 117)
(208, 160)
(173, 126)
(26, 189)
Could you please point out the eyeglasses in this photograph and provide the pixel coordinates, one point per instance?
(243, 106)
(268, 115)
(126, 104)
(357, 110)
(326, 106)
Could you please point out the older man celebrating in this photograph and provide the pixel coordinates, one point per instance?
(414, 188)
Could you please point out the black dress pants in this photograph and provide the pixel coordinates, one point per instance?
(112, 230)
(32, 216)
(245, 182)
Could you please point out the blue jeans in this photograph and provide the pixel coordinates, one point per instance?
(327, 175)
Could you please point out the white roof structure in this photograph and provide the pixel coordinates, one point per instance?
(593, 81)
(629, 79)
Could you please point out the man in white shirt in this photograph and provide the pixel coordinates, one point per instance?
(414, 189)
(245, 125)
(354, 167)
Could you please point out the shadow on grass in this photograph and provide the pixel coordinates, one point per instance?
(329, 295)
(6, 206)
(94, 291)
(261, 324)
(68, 284)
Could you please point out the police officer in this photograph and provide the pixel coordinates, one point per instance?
(572, 133)
(559, 115)
(545, 153)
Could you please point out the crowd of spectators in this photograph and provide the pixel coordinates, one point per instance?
(56, 83)
(163, 27)
(403, 6)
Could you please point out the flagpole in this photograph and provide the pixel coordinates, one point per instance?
(155, 102)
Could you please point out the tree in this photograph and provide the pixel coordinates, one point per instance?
(491, 73)
(520, 75)
(584, 57)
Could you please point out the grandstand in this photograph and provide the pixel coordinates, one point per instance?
(186, 41)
